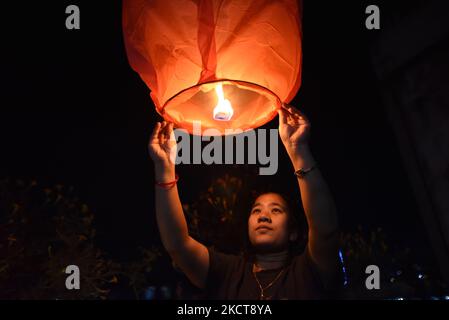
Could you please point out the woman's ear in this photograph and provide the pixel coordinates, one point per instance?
(293, 236)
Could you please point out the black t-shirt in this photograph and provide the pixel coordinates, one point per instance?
(231, 277)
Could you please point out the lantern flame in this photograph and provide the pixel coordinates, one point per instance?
(223, 111)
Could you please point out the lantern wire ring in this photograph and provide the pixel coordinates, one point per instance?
(162, 112)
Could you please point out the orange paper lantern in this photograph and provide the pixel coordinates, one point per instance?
(228, 64)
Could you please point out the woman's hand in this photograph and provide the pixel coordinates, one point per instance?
(294, 127)
(294, 130)
(162, 149)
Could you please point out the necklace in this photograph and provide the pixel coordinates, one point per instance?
(262, 289)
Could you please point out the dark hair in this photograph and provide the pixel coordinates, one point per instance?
(296, 222)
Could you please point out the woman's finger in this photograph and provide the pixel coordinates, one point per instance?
(167, 128)
(164, 123)
(296, 112)
(162, 132)
(156, 130)
(282, 116)
(292, 110)
(172, 132)
(170, 128)
(289, 110)
(301, 120)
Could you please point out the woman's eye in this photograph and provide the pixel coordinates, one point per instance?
(256, 210)
(276, 210)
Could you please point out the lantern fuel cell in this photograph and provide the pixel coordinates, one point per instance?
(223, 111)
(227, 64)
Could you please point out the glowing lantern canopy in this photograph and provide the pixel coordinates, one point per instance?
(228, 64)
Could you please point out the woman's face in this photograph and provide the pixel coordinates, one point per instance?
(268, 223)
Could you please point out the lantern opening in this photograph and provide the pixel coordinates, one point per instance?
(210, 104)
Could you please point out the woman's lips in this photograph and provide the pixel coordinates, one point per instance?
(264, 228)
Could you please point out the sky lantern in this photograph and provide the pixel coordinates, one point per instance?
(226, 64)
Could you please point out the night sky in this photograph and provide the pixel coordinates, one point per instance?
(74, 113)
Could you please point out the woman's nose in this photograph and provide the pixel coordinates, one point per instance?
(264, 218)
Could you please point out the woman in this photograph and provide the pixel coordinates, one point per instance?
(271, 273)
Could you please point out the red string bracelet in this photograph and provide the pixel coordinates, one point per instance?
(167, 185)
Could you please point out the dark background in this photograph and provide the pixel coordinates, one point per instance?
(74, 113)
